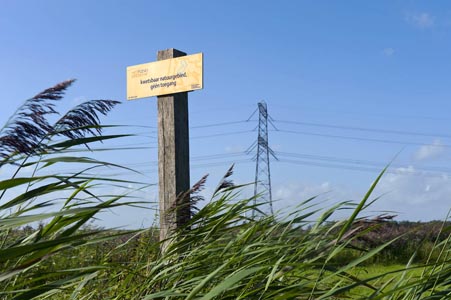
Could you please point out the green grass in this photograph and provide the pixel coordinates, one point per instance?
(385, 276)
(219, 254)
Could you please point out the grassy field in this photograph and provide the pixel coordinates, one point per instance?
(386, 276)
(219, 254)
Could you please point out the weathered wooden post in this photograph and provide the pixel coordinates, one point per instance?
(173, 157)
(170, 78)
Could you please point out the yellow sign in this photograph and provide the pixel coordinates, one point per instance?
(164, 77)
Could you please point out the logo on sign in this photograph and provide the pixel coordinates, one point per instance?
(139, 73)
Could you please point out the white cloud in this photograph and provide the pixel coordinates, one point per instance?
(300, 191)
(421, 20)
(388, 52)
(287, 196)
(415, 195)
(426, 152)
(406, 192)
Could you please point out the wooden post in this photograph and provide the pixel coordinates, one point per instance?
(173, 157)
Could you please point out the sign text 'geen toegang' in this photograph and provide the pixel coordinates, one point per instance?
(169, 76)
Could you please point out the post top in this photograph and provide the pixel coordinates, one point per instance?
(169, 53)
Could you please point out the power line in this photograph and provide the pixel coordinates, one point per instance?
(115, 148)
(137, 166)
(195, 158)
(362, 138)
(135, 144)
(146, 169)
(362, 168)
(196, 126)
(145, 166)
(136, 125)
(221, 134)
(365, 114)
(217, 156)
(358, 162)
(233, 108)
(400, 132)
(327, 165)
(221, 163)
(219, 124)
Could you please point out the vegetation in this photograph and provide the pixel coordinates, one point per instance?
(48, 252)
(33, 149)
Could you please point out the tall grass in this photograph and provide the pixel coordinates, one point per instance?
(36, 192)
(219, 254)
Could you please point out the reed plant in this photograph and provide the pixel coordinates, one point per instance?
(43, 210)
(221, 253)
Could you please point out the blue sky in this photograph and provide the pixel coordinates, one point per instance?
(332, 65)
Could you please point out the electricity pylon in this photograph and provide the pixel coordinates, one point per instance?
(262, 185)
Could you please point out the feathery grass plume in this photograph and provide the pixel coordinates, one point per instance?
(70, 200)
(192, 194)
(84, 119)
(24, 131)
(184, 206)
(225, 182)
(195, 196)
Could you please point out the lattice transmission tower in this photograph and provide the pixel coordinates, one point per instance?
(262, 185)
